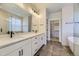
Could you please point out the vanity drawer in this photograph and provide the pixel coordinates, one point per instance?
(35, 41)
(8, 49)
(35, 45)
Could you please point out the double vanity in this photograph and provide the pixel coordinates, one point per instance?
(21, 33)
(22, 44)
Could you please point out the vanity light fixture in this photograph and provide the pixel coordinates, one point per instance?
(29, 9)
(34, 13)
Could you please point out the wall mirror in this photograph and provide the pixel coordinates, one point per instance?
(14, 19)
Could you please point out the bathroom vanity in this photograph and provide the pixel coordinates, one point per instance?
(21, 33)
(24, 44)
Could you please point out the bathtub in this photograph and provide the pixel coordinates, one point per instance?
(73, 43)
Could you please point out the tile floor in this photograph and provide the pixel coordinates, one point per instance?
(54, 48)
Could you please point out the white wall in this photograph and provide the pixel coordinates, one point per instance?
(56, 16)
(76, 19)
(67, 25)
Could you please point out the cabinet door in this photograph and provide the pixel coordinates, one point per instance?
(27, 49)
(14, 53)
(39, 41)
(34, 45)
(22, 51)
(43, 39)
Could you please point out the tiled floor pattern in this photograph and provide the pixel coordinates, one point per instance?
(54, 48)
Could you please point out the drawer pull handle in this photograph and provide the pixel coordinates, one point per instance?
(35, 42)
(22, 52)
(19, 53)
(35, 37)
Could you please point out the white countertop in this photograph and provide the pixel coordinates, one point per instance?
(6, 40)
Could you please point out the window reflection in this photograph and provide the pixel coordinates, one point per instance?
(14, 24)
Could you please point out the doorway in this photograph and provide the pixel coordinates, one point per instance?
(54, 30)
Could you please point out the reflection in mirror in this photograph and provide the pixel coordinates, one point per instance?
(11, 22)
(19, 25)
(14, 24)
(3, 23)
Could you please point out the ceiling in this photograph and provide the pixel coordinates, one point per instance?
(51, 7)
